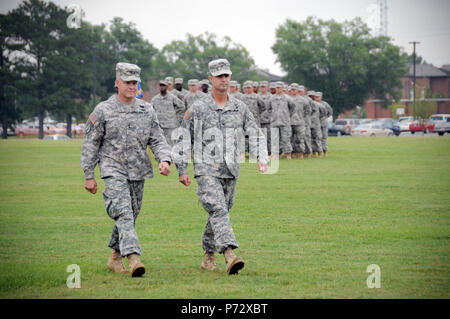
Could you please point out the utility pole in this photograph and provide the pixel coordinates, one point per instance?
(414, 76)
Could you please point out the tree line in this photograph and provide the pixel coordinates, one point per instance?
(47, 67)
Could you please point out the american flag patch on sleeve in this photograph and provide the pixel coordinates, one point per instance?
(92, 118)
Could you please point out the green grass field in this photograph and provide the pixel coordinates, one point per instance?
(309, 231)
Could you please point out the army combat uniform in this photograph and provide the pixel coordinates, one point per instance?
(265, 118)
(216, 177)
(280, 108)
(116, 138)
(316, 130)
(170, 111)
(324, 124)
(298, 125)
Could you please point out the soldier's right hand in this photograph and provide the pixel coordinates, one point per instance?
(91, 186)
(185, 179)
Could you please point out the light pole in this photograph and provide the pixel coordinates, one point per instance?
(414, 76)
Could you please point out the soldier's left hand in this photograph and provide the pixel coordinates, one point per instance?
(164, 168)
(262, 167)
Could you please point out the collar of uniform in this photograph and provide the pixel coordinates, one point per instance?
(124, 108)
(229, 106)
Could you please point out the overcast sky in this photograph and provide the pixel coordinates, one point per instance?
(253, 23)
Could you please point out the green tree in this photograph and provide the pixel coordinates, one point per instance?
(340, 59)
(189, 59)
(34, 29)
(425, 107)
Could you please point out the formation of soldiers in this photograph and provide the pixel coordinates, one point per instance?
(288, 114)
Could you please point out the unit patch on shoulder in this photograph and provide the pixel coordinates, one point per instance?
(92, 118)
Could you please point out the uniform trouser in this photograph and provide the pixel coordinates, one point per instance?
(217, 197)
(298, 138)
(308, 146)
(284, 134)
(123, 201)
(324, 126)
(266, 130)
(316, 138)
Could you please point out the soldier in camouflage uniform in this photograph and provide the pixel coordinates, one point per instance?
(280, 108)
(116, 137)
(255, 86)
(254, 102)
(170, 88)
(179, 88)
(316, 130)
(234, 91)
(307, 117)
(194, 93)
(327, 111)
(217, 171)
(265, 116)
(298, 122)
(169, 109)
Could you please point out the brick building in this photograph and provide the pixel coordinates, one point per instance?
(427, 77)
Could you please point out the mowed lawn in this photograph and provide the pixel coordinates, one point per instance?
(308, 231)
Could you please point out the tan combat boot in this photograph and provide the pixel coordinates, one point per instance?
(136, 266)
(234, 264)
(288, 156)
(115, 263)
(208, 262)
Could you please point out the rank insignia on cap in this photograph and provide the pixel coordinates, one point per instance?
(187, 115)
(92, 119)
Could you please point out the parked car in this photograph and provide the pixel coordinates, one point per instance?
(31, 129)
(371, 129)
(441, 123)
(79, 129)
(389, 124)
(9, 131)
(56, 137)
(404, 122)
(332, 130)
(346, 125)
(421, 126)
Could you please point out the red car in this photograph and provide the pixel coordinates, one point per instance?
(424, 127)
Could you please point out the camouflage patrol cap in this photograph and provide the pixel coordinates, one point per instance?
(272, 85)
(311, 93)
(318, 93)
(279, 84)
(294, 85)
(164, 82)
(169, 79)
(193, 82)
(178, 81)
(233, 83)
(204, 81)
(290, 88)
(263, 83)
(248, 84)
(301, 88)
(255, 84)
(128, 72)
(219, 66)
